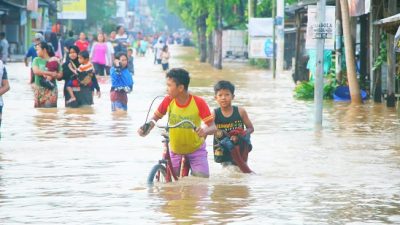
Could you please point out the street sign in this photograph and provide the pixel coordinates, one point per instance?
(316, 30)
(323, 31)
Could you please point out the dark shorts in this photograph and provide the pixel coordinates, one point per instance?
(165, 66)
(108, 70)
(99, 69)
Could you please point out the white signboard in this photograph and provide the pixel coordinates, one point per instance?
(261, 27)
(260, 47)
(325, 30)
(72, 9)
(121, 9)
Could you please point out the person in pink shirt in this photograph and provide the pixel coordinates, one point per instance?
(98, 54)
(82, 43)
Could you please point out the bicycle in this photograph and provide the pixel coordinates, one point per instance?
(163, 171)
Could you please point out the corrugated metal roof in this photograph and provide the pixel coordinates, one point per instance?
(303, 4)
(388, 20)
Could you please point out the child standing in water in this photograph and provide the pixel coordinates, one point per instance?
(84, 77)
(121, 83)
(231, 141)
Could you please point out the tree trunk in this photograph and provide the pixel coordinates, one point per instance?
(350, 62)
(218, 49)
(202, 27)
(255, 2)
(241, 9)
(211, 48)
(218, 36)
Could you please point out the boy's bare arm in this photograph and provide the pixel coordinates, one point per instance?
(247, 122)
(208, 130)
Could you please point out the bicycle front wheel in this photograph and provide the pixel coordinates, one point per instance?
(158, 174)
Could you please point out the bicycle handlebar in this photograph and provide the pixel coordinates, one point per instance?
(179, 124)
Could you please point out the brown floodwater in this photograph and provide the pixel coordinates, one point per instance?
(88, 166)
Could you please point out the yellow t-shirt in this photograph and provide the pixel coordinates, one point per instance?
(183, 139)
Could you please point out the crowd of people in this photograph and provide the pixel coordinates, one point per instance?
(84, 60)
(81, 62)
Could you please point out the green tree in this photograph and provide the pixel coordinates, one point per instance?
(100, 14)
(208, 18)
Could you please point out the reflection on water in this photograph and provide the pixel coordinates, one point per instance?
(229, 202)
(184, 203)
(88, 165)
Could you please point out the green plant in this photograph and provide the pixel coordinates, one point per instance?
(382, 57)
(305, 90)
(261, 63)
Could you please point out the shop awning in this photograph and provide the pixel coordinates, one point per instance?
(14, 3)
(291, 9)
(390, 24)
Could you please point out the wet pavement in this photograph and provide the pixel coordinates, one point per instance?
(88, 166)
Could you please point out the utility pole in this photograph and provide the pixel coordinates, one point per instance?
(319, 74)
(349, 51)
(280, 16)
(338, 43)
(274, 41)
(391, 59)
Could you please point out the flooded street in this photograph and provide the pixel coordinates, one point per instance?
(89, 166)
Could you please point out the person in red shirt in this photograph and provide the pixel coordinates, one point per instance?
(82, 43)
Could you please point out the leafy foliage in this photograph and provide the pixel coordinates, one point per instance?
(99, 14)
(264, 7)
(305, 90)
(382, 52)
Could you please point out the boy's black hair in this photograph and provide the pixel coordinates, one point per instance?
(224, 84)
(180, 76)
(70, 33)
(118, 56)
(84, 54)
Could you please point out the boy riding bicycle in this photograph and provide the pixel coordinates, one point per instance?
(181, 105)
